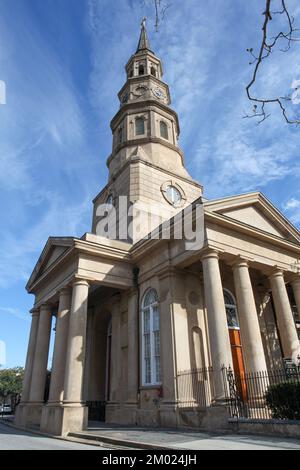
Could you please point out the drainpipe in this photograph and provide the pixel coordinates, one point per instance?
(135, 272)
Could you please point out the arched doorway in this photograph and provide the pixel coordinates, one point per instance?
(235, 340)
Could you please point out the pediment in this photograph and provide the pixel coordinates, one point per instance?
(256, 211)
(54, 249)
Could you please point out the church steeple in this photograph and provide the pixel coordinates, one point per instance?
(146, 163)
(144, 42)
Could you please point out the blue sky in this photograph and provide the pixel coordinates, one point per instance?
(63, 64)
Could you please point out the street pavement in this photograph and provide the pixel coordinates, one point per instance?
(15, 439)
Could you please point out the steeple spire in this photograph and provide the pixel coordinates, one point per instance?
(144, 42)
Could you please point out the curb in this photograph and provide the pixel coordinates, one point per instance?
(121, 442)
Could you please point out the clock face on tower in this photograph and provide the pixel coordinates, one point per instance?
(158, 92)
(140, 90)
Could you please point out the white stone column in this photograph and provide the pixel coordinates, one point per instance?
(30, 354)
(115, 351)
(217, 321)
(39, 371)
(253, 351)
(76, 344)
(286, 324)
(60, 347)
(133, 338)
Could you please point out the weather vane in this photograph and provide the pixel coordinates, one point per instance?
(143, 23)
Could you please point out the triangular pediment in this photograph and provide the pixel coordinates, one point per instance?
(256, 211)
(54, 249)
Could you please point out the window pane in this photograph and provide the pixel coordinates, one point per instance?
(151, 338)
(150, 298)
(147, 349)
(232, 319)
(139, 126)
(146, 321)
(156, 343)
(164, 130)
(155, 318)
(147, 371)
(228, 299)
(173, 195)
(157, 369)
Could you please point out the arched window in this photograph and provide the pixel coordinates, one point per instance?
(120, 135)
(139, 126)
(231, 309)
(131, 73)
(164, 130)
(150, 339)
(141, 70)
(153, 71)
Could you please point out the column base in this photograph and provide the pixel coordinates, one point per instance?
(129, 412)
(19, 414)
(112, 412)
(28, 414)
(60, 419)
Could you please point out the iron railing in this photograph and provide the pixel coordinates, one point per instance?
(246, 394)
(195, 388)
(96, 410)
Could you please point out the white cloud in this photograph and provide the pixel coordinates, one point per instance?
(19, 251)
(292, 209)
(15, 312)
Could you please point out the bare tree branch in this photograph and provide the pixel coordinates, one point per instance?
(266, 48)
(160, 12)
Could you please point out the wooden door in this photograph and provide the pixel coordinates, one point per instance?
(238, 361)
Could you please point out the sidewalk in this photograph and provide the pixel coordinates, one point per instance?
(129, 437)
(158, 438)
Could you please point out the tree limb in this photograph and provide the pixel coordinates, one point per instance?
(266, 48)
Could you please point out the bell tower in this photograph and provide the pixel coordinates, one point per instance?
(146, 163)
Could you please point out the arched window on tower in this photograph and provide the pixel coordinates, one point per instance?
(153, 71)
(141, 69)
(150, 339)
(120, 135)
(139, 126)
(131, 73)
(164, 130)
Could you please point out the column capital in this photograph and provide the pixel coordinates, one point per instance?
(34, 311)
(82, 282)
(240, 261)
(296, 281)
(209, 253)
(67, 290)
(45, 307)
(276, 272)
